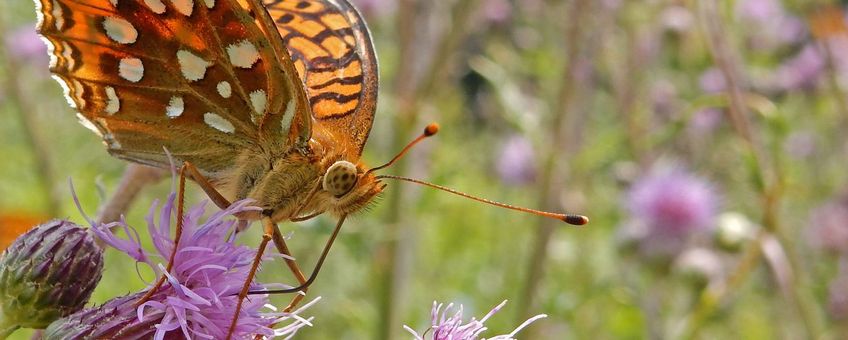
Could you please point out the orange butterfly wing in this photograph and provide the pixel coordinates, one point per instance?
(198, 77)
(333, 53)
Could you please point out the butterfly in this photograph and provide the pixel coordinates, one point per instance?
(265, 99)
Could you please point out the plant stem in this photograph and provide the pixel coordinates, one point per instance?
(26, 111)
(770, 183)
(548, 193)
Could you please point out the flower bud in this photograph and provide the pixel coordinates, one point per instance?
(48, 273)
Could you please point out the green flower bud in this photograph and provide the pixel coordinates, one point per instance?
(46, 274)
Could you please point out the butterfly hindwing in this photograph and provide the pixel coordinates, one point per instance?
(197, 77)
(333, 53)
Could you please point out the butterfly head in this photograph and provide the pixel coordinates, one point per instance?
(351, 186)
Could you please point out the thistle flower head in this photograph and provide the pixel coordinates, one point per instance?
(448, 324)
(199, 297)
(48, 273)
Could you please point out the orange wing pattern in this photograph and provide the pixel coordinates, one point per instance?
(332, 51)
(198, 77)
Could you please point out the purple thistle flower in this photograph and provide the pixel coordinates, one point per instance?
(516, 163)
(24, 44)
(672, 201)
(667, 206)
(803, 71)
(829, 226)
(452, 327)
(199, 297)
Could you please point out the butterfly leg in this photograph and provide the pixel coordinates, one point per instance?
(282, 247)
(269, 228)
(177, 237)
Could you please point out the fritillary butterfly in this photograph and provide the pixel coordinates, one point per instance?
(265, 99)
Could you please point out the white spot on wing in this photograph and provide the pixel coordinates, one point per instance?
(114, 3)
(68, 54)
(175, 107)
(243, 54)
(120, 30)
(131, 69)
(113, 104)
(224, 89)
(209, 3)
(258, 99)
(288, 116)
(155, 5)
(57, 15)
(219, 123)
(192, 66)
(77, 93)
(184, 6)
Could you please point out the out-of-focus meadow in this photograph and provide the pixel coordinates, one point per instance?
(706, 140)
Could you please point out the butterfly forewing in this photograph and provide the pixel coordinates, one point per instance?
(197, 77)
(333, 53)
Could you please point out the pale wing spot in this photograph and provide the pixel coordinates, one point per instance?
(209, 3)
(243, 54)
(175, 107)
(88, 124)
(131, 69)
(156, 6)
(110, 140)
(114, 3)
(113, 103)
(192, 66)
(288, 116)
(57, 14)
(219, 123)
(224, 89)
(77, 93)
(258, 99)
(120, 30)
(184, 6)
(67, 55)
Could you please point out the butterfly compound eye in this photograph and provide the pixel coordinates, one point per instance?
(340, 178)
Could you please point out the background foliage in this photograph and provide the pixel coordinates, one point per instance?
(560, 105)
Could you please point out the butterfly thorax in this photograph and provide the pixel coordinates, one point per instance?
(286, 184)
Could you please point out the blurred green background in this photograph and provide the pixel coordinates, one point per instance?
(579, 106)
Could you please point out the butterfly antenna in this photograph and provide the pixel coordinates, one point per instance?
(567, 218)
(429, 131)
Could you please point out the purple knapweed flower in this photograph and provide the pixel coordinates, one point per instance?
(829, 226)
(23, 43)
(667, 206)
(516, 163)
(452, 327)
(199, 297)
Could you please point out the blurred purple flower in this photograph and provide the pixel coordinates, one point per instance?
(375, 8)
(802, 71)
(829, 225)
(199, 297)
(800, 144)
(704, 121)
(759, 10)
(838, 299)
(712, 81)
(517, 161)
(451, 327)
(677, 19)
(25, 45)
(672, 202)
(496, 11)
